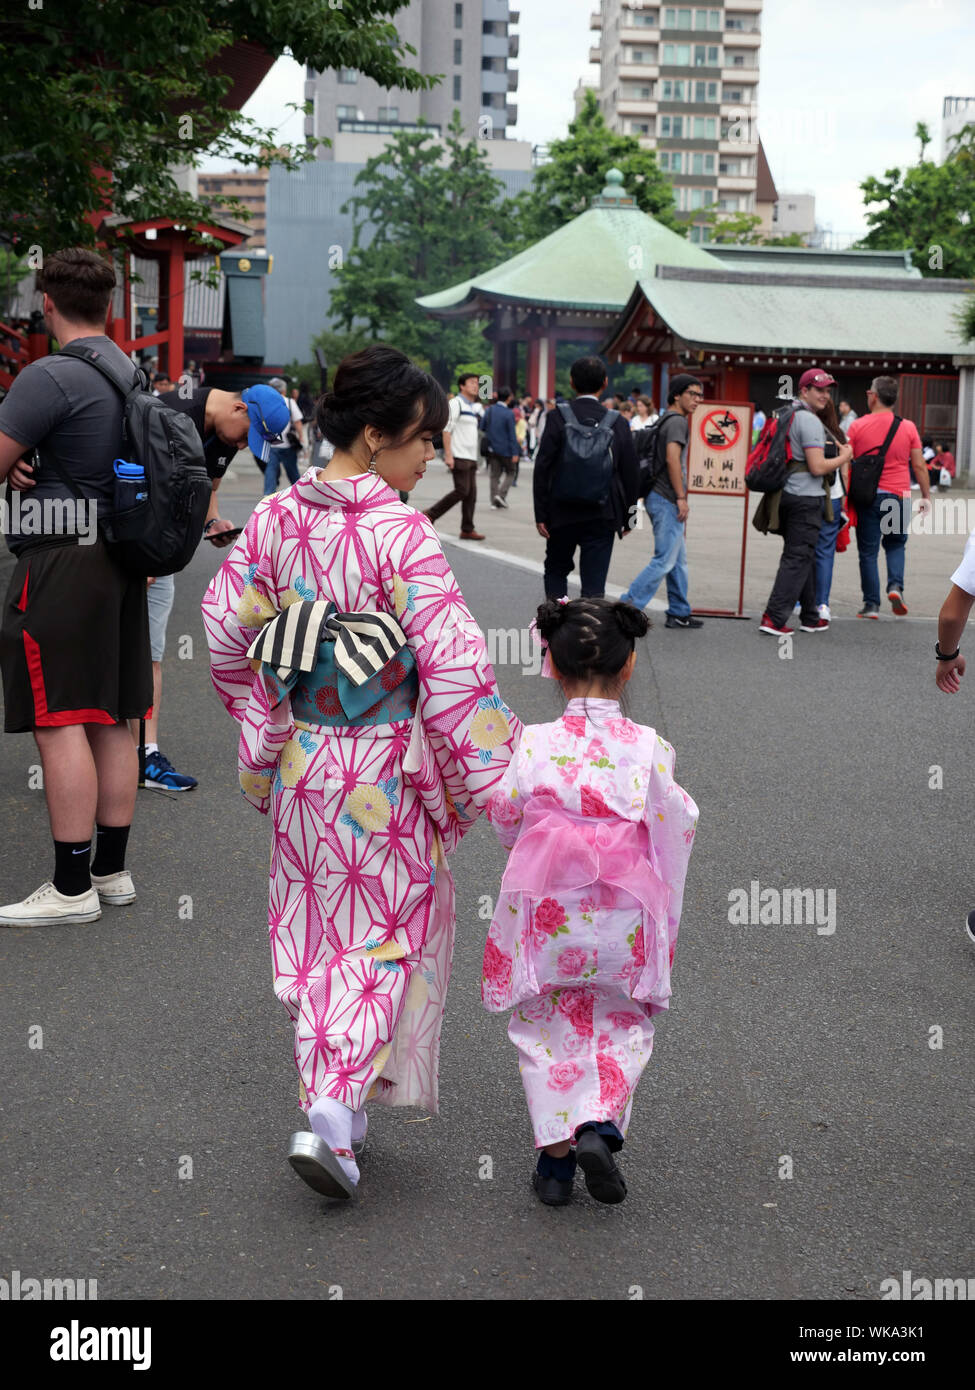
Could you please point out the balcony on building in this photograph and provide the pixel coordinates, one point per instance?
(594, 55)
(636, 106)
(752, 7)
(736, 183)
(628, 34)
(497, 12)
(494, 81)
(511, 112)
(494, 46)
(513, 45)
(744, 38)
(512, 79)
(639, 70)
(596, 20)
(741, 77)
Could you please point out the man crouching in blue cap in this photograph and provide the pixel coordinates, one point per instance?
(226, 421)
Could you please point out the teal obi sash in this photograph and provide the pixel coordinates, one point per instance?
(328, 697)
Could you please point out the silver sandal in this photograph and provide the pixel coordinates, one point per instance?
(317, 1164)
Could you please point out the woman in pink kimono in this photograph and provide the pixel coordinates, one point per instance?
(582, 940)
(373, 732)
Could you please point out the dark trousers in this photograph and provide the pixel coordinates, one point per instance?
(502, 472)
(595, 542)
(800, 519)
(464, 491)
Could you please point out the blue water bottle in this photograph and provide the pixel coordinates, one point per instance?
(130, 485)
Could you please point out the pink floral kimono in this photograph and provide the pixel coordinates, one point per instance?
(582, 940)
(361, 899)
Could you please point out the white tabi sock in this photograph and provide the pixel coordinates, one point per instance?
(360, 1123)
(332, 1122)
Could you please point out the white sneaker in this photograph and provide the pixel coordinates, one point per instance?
(824, 613)
(49, 908)
(116, 889)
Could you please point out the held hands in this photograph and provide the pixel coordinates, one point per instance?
(948, 675)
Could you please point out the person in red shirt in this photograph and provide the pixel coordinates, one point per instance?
(888, 520)
(945, 459)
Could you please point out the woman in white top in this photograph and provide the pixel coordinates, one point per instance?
(644, 415)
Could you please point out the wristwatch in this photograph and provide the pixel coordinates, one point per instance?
(944, 656)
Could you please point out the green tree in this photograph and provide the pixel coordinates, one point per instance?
(435, 216)
(564, 187)
(928, 209)
(12, 271)
(101, 101)
(733, 228)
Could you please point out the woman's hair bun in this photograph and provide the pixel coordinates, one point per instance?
(550, 617)
(633, 622)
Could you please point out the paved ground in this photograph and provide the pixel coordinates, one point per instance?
(162, 1040)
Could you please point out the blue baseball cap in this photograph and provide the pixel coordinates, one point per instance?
(270, 416)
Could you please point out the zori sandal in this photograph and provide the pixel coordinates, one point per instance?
(319, 1166)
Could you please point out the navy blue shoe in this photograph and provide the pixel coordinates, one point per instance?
(162, 776)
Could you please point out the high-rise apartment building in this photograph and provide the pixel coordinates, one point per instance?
(684, 80)
(248, 186)
(468, 41)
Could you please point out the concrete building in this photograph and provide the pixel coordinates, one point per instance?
(684, 80)
(469, 41)
(956, 112)
(249, 186)
(795, 212)
(309, 235)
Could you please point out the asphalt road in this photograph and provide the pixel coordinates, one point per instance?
(162, 1040)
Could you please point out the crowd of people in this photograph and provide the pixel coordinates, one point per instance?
(372, 729)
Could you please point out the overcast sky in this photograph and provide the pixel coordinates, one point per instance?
(843, 84)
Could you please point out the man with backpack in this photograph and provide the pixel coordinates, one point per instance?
(503, 449)
(883, 497)
(801, 502)
(74, 644)
(663, 483)
(586, 483)
(460, 448)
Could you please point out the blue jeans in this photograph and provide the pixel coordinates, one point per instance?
(272, 469)
(826, 553)
(669, 561)
(887, 522)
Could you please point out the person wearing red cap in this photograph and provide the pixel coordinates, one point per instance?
(802, 509)
(888, 520)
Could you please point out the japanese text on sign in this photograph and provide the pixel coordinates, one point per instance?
(720, 434)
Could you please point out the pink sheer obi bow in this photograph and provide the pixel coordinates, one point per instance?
(558, 851)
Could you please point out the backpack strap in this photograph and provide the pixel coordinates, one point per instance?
(895, 425)
(96, 359)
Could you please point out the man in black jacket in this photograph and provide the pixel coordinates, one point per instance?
(565, 523)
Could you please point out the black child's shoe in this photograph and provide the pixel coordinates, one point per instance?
(552, 1191)
(603, 1179)
(673, 621)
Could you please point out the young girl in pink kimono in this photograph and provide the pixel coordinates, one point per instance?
(582, 939)
(373, 733)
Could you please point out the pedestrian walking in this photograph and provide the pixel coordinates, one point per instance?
(830, 530)
(667, 506)
(952, 621)
(460, 447)
(582, 941)
(74, 643)
(802, 506)
(586, 484)
(645, 413)
(373, 733)
(886, 519)
(283, 453)
(503, 447)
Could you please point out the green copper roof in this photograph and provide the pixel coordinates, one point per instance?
(590, 263)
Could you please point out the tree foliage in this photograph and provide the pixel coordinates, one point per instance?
(564, 187)
(429, 214)
(99, 101)
(928, 209)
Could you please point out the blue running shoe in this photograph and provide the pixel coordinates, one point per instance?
(162, 776)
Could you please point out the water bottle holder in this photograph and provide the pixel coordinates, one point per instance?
(129, 523)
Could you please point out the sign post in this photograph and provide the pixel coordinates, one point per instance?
(718, 446)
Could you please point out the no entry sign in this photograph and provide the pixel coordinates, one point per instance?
(717, 452)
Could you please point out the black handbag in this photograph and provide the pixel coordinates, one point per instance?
(865, 471)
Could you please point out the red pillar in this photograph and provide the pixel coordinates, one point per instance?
(532, 385)
(176, 304)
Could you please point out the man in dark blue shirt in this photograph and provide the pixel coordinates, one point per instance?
(499, 426)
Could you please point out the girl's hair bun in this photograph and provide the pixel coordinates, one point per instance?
(633, 622)
(550, 617)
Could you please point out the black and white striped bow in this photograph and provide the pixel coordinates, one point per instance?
(364, 642)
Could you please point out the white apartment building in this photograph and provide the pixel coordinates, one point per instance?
(684, 80)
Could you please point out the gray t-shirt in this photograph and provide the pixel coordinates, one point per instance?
(68, 411)
(671, 430)
(806, 432)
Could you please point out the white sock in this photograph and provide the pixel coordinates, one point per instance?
(151, 748)
(332, 1122)
(360, 1123)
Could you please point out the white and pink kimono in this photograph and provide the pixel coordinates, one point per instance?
(582, 939)
(361, 899)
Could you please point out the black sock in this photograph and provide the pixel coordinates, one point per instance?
(561, 1168)
(110, 851)
(72, 874)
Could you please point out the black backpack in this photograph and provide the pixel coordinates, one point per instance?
(865, 471)
(653, 461)
(160, 532)
(587, 466)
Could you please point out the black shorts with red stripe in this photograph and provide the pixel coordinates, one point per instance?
(74, 642)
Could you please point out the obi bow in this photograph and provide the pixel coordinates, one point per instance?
(364, 642)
